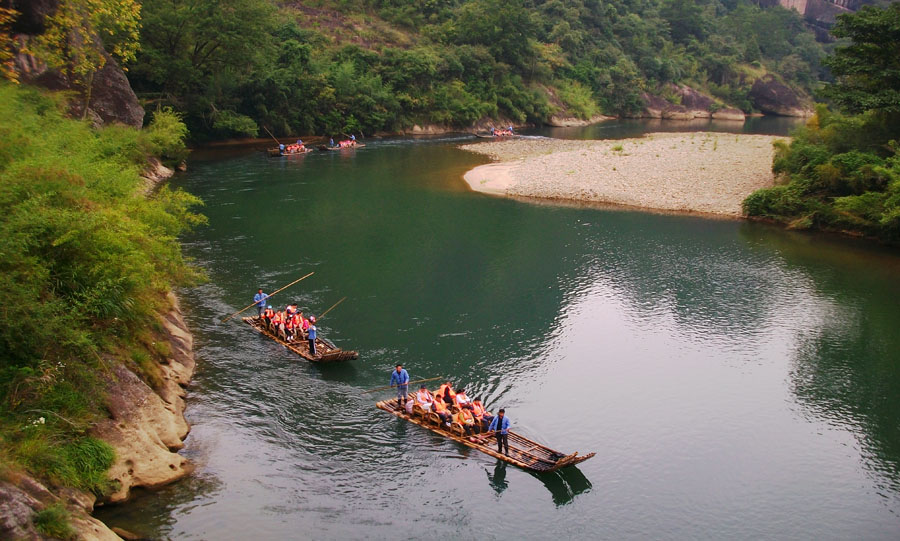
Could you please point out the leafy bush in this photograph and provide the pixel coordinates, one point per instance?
(578, 99)
(165, 136)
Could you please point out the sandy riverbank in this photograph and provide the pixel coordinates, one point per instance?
(684, 172)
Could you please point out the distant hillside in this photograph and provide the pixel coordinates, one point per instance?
(351, 66)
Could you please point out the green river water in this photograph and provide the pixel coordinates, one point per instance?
(736, 380)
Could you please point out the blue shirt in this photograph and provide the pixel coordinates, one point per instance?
(260, 299)
(399, 378)
(312, 332)
(504, 427)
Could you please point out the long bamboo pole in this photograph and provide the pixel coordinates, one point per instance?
(333, 306)
(269, 296)
(410, 383)
(277, 142)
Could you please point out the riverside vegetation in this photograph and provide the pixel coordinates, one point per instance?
(842, 170)
(87, 259)
(385, 65)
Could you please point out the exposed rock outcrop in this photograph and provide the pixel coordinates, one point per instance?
(775, 98)
(694, 104)
(562, 121)
(21, 497)
(155, 174)
(147, 427)
(729, 113)
(111, 97)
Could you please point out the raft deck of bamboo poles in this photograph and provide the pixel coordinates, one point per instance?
(326, 352)
(523, 452)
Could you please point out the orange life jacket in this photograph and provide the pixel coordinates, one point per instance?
(277, 318)
(478, 410)
(424, 397)
(439, 407)
(464, 417)
(446, 390)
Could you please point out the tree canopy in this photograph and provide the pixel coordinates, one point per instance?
(868, 69)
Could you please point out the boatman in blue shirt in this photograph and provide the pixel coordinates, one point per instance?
(500, 425)
(260, 300)
(400, 378)
(311, 335)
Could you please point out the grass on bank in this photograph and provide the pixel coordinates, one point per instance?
(86, 260)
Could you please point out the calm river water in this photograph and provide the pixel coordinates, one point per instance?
(737, 381)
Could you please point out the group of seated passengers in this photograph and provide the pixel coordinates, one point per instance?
(293, 148)
(289, 323)
(453, 407)
(347, 142)
(502, 132)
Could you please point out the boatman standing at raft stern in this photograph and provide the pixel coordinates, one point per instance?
(260, 300)
(400, 378)
(500, 424)
(311, 335)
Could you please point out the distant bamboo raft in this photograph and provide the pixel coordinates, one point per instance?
(523, 452)
(326, 352)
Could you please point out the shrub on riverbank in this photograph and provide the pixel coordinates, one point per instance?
(85, 263)
(842, 172)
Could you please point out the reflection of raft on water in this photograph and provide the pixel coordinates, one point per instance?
(326, 352)
(523, 452)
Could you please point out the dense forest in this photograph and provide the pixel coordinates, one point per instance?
(367, 66)
(842, 170)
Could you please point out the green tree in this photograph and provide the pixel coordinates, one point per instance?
(867, 70)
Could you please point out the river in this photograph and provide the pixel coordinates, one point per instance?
(736, 380)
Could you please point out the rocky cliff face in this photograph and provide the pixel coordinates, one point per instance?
(146, 427)
(111, 98)
(694, 104)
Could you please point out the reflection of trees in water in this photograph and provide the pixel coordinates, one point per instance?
(847, 371)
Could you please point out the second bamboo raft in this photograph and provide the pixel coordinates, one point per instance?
(523, 452)
(326, 352)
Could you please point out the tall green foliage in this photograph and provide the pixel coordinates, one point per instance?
(85, 261)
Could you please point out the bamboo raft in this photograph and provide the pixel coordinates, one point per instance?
(351, 147)
(277, 153)
(326, 352)
(523, 452)
(489, 136)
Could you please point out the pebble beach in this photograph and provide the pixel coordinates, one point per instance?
(702, 172)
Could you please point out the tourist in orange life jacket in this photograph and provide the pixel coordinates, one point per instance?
(277, 319)
(289, 327)
(441, 409)
(462, 400)
(267, 317)
(466, 419)
(481, 414)
(424, 398)
(446, 394)
(297, 319)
